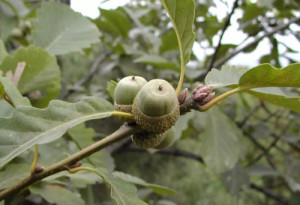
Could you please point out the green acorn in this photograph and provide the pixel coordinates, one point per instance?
(125, 92)
(155, 107)
(169, 137)
(147, 140)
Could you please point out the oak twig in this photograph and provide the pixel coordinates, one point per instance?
(65, 164)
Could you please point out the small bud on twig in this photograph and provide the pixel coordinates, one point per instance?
(208, 98)
(201, 92)
(77, 164)
(182, 96)
(38, 170)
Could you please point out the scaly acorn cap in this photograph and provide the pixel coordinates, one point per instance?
(147, 140)
(168, 140)
(156, 107)
(125, 92)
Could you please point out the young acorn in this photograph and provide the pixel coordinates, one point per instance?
(168, 139)
(148, 140)
(156, 107)
(125, 92)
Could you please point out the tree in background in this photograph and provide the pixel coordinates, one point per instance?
(59, 71)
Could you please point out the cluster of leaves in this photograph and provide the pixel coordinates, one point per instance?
(248, 143)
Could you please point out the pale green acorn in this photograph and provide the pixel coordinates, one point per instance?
(156, 107)
(125, 92)
(169, 137)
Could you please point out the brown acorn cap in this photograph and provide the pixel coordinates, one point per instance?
(123, 108)
(147, 140)
(156, 107)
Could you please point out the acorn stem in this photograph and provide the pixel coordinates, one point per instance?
(77, 169)
(221, 97)
(35, 159)
(122, 114)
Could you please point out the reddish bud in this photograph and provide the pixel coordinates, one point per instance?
(38, 170)
(77, 164)
(201, 92)
(203, 89)
(182, 96)
(208, 98)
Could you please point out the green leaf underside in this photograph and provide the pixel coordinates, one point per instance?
(263, 80)
(157, 61)
(221, 145)
(122, 192)
(182, 15)
(265, 75)
(291, 103)
(41, 73)
(227, 76)
(169, 42)
(59, 36)
(30, 126)
(135, 180)
(57, 194)
(12, 92)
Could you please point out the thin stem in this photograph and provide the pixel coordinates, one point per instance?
(64, 164)
(180, 83)
(77, 169)
(182, 63)
(221, 97)
(35, 159)
(122, 114)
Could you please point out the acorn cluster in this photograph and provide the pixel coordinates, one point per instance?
(155, 108)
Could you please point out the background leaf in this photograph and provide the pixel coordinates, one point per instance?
(221, 145)
(122, 192)
(235, 179)
(58, 36)
(8, 23)
(12, 92)
(41, 73)
(12, 174)
(138, 181)
(83, 137)
(57, 194)
(182, 14)
(30, 126)
(114, 21)
(3, 52)
(157, 61)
